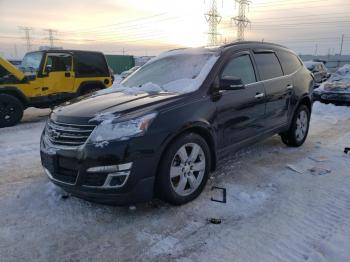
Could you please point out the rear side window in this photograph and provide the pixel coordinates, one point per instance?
(90, 64)
(268, 65)
(290, 62)
(242, 68)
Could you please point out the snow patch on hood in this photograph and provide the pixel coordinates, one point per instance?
(117, 87)
(338, 82)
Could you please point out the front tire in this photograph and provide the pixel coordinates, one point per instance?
(11, 110)
(184, 169)
(299, 129)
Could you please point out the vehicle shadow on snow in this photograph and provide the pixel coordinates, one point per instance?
(239, 173)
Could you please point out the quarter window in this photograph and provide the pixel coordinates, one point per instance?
(242, 68)
(268, 65)
(290, 62)
(91, 64)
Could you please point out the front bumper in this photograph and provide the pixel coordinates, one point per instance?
(332, 97)
(69, 168)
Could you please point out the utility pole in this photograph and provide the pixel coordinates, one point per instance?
(241, 20)
(213, 18)
(16, 53)
(27, 36)
(51, 37)
(341, 45)
(316, 50)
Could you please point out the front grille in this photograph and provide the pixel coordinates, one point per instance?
(62, 134)
(61, 168)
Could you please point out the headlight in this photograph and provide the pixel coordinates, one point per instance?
(121, 130)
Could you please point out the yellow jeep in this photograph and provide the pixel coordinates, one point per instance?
(47, 78)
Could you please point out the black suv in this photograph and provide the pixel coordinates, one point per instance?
(164, 128)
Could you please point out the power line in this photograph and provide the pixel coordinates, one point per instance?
(120, 24)
(213, 18)
(241, 20)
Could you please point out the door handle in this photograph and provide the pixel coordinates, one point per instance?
(259, 95)
(289, 87)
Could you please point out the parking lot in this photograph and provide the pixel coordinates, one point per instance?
(276, 210)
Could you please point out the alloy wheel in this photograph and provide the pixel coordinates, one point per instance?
(187, 169)
(301, 125)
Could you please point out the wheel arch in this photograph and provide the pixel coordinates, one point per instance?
(86, 85)
(14, 91)
(200, 129)
(305, 100)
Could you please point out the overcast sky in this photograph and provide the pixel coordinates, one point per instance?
(143, 27)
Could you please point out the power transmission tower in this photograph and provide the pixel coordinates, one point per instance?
(213, 18)
(241, 20)
(51, 37)
(27, 36)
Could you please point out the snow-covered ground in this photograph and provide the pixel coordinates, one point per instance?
(272, 212)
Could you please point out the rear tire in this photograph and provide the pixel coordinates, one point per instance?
(184, 169)
(11, 110)
(299, 129)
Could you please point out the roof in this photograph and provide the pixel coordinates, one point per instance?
(251, 43)
(65, 51)
(313, 63)
(215, 49)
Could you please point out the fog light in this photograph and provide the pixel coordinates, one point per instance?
(109, 169)
(115, 180)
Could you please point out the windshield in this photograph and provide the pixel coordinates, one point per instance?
(31, 62)
(174, 73)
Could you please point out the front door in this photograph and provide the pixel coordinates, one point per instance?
(240, 112)
(58, 72)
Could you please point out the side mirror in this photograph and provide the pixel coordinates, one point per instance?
(231, 83)
(48, 69)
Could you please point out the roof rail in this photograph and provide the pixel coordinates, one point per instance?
(250, 42)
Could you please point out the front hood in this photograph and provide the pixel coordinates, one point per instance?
(12, 69)
(81, 111)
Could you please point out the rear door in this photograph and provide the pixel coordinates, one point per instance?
(277, 87)
(240, 112)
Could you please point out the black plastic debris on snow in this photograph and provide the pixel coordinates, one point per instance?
(215, 221)
(223, 190)
(346, 150)
(65, 196)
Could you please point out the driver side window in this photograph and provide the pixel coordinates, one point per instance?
(58, 63)
(240, 67)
